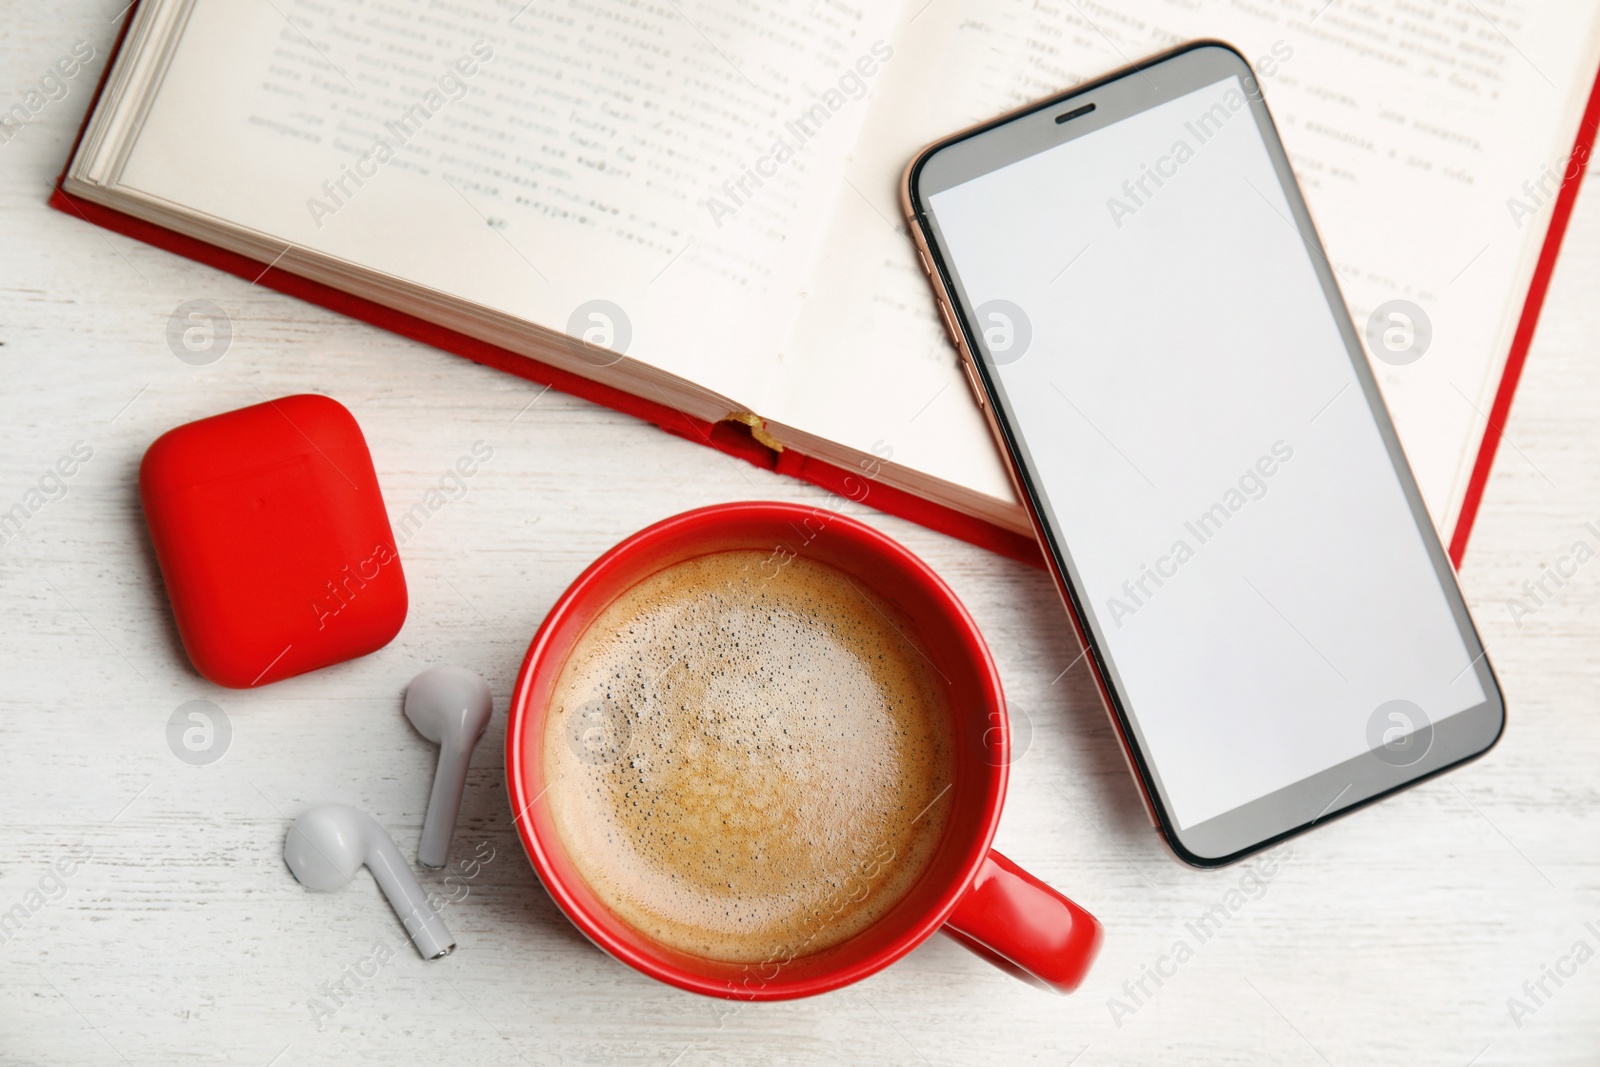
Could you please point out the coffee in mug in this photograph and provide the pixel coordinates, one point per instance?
(749, 758)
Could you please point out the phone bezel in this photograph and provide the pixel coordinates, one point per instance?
(1455, 739)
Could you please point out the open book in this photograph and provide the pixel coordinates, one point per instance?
(695, 203)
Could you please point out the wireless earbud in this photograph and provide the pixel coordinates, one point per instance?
(330, 842)
(449, 706)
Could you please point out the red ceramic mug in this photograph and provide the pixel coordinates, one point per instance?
(973, 893)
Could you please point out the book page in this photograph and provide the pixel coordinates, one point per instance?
(1412, 133)
(613, 171)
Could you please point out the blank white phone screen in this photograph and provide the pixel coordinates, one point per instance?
(1204, 450)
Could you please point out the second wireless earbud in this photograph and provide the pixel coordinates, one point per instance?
(449, 706)
(329, 843)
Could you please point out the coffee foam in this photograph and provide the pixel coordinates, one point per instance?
(749, 763)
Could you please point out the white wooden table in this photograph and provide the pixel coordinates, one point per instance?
(1396, 936)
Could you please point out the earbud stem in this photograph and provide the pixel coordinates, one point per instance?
(409, 901)
(444, 803)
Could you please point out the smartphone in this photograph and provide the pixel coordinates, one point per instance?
(1146, 316)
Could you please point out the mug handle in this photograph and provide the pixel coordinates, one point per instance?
(1024, 927)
